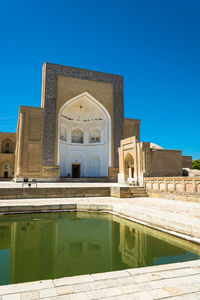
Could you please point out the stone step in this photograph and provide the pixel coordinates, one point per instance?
(137, 189)
(140, 195)
(87, 179)
(128, 192)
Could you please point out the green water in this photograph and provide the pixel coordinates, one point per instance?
(43, 246)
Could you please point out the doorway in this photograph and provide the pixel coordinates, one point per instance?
(6, 174)
(76, 170)
(132, 172)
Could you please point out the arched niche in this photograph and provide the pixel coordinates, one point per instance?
(95, 135)
(7, 146)
(6, 169)
(77, 136)
(88, 131)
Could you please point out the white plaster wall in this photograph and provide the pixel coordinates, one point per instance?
(93, 157)
(83, 154)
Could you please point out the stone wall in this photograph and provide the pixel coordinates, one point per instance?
(187, 162)
(33, 192)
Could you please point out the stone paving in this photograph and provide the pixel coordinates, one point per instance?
(10, 184)
(173, 281)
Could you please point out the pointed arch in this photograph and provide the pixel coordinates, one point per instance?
(90, 97)
(129, 166)
(102, 108)
(129, 160)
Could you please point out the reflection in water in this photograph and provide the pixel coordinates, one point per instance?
(34, 247)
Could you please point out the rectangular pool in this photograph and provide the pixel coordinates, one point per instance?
(54, 245)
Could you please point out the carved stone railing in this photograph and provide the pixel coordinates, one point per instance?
(173, 184)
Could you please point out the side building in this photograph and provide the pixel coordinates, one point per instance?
(143, 159)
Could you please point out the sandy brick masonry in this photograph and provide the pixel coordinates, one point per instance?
(172, 281)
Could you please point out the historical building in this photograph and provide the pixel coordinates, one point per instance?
(7, 154)
(77, 133)
(143, 159)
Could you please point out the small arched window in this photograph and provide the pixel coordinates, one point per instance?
(77, 136)
(95, 135)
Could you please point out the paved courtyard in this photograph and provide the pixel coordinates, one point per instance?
(9, 184)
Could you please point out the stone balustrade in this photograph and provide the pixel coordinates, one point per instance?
(173, 184)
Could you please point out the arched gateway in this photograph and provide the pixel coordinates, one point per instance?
(84, 138)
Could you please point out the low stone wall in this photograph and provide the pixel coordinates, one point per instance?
(177, 188)
(174, 196)
(71, 192)
(32, 192)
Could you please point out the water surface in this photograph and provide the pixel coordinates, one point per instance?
(54, 245)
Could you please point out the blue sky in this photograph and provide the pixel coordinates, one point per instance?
(154, 44)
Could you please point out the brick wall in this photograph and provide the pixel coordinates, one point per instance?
(187, 162)
(131, 128)
(164, 163)
(29, 142)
